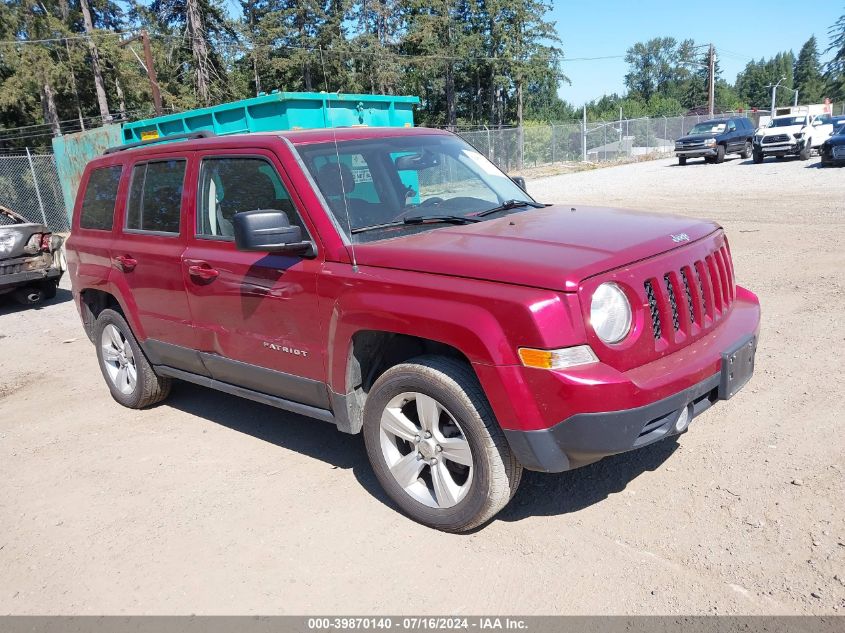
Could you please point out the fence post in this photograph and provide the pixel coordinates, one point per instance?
(522, 147)
(584, 137)
(37, 189)
(553, 143)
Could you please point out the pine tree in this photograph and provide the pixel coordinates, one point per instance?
(205, 31)
(808, 73)
(835, 68)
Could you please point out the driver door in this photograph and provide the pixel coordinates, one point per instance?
(255, 312)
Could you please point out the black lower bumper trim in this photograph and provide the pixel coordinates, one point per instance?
(587, 437)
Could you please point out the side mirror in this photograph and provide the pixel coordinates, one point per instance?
(817, 122)
(520, 182)
(268, 230)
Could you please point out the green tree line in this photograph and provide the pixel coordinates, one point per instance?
(66, 64)
(667, 77)
(472, 62)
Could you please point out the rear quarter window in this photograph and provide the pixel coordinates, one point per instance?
(155, 197)
(100, 197)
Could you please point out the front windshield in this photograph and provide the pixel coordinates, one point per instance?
(710, 127)
(786, 121)
(388, 180)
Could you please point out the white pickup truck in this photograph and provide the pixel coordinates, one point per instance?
(791, 135)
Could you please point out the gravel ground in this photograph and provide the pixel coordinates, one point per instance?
(211, 504)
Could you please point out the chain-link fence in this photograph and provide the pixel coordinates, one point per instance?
(516, 148)
(29, 184)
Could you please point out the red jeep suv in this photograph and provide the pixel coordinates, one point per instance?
(394, 282)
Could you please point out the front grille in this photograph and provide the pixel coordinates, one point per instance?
(676, 323)
(688, 292)
(692, 144)
(777, 138)
(652, 306)
(839, 152)
(707, 301)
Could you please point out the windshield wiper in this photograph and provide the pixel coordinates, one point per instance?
(420, 219)
(455, 219)
(507, 205)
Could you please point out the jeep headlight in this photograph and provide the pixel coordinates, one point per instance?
(610, 313)
(710, 142)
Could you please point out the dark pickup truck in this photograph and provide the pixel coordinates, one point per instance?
(713, 139)
(29, 259)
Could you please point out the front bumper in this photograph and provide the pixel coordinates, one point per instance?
(559, 420)
(780, 149)
(701, 152)
(588, 437)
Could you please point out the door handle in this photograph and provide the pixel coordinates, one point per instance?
(203, 271)
(125, 263)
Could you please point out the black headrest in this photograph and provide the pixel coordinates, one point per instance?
(335, 179)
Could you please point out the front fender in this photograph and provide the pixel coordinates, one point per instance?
(486, 322)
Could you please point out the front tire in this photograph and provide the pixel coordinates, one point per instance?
(757, 156)
(804, 154)
(682, 160)
(435, 445)
(720, 154)
(129, 375)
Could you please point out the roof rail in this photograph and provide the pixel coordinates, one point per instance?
(160, 139)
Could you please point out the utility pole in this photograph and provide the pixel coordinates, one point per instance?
(711, 80)
(148, 65)
(774, 93)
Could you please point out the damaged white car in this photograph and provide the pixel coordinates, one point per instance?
(31, 262)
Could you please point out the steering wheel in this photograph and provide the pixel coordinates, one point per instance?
(428, 202)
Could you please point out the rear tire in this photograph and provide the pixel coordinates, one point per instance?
(128, 374)
(720, 154)
(757, 156)
(428, 408)
(747, 151)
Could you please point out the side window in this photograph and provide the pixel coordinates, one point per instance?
(229, 186)
(731, 126)
(100, 195)
(155, 196)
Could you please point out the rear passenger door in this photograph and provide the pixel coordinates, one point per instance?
(735, 141)
(256, 313)
(148, 259)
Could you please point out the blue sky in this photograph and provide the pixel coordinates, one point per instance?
(741, 31)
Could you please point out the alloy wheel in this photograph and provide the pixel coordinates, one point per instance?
(426, 450)
(119, 360)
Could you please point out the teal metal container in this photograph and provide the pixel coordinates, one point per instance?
(72, 153)
(281, 111)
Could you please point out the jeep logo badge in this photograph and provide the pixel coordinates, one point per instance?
(680, 237)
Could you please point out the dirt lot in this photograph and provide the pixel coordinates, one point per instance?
(211, 504)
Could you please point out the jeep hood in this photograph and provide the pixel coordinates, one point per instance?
(556, 247)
